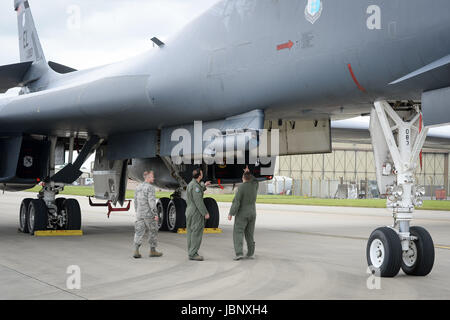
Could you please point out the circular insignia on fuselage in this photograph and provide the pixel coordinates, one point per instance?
(27, 161)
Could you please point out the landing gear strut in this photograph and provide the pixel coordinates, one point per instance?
(397, 138)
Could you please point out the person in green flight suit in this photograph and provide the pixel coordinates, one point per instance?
(243, 209)
(196, 213)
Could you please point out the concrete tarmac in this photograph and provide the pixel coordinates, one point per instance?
(301, 253)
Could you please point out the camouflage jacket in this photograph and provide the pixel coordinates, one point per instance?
(145, 201)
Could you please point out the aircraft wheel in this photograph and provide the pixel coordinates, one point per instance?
(60, 204)
(214, 215)
(161, 207)
(176, 214)
(24, 215)
(73, 214)
(37, 216)
(419, 259)
(384, 252)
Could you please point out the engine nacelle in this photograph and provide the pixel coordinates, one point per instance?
(163, 178)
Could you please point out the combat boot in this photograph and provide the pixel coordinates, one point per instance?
(155, 254)
(136, 254)
(196, 258)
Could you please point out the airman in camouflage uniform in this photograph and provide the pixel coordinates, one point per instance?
(146, 216)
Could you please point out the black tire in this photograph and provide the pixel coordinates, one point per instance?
(73, 214)
(214, 215)
(424, 254)
(60, 204)
(24, 215)
(176, 214)
(390, 259)
(162, 206)
(37, 216)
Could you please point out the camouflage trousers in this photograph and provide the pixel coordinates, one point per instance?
(144, 227)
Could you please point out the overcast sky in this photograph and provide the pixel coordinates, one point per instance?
(87, 33)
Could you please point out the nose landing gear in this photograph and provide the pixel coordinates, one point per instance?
(398, 138)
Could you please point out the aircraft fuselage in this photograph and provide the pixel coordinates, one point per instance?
(246, 55)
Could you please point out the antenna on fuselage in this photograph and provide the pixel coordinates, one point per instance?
(158, 42)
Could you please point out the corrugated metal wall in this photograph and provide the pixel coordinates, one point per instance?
(354, 163)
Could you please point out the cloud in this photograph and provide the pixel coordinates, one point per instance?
(86, 33)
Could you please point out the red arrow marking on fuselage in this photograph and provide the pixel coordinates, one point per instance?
(287, 45)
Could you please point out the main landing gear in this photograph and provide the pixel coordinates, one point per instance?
(172, 213)
(48, 212)
(397, 138)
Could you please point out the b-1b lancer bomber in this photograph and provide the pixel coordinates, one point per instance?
(245, 68)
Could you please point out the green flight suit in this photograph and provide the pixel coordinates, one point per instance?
(244, 210)
(195, 216)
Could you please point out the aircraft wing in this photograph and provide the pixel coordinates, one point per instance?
(12, 75)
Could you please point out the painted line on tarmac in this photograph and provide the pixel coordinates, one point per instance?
(438, 246)
(442, 247)
(43, 282)
(323, 235)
